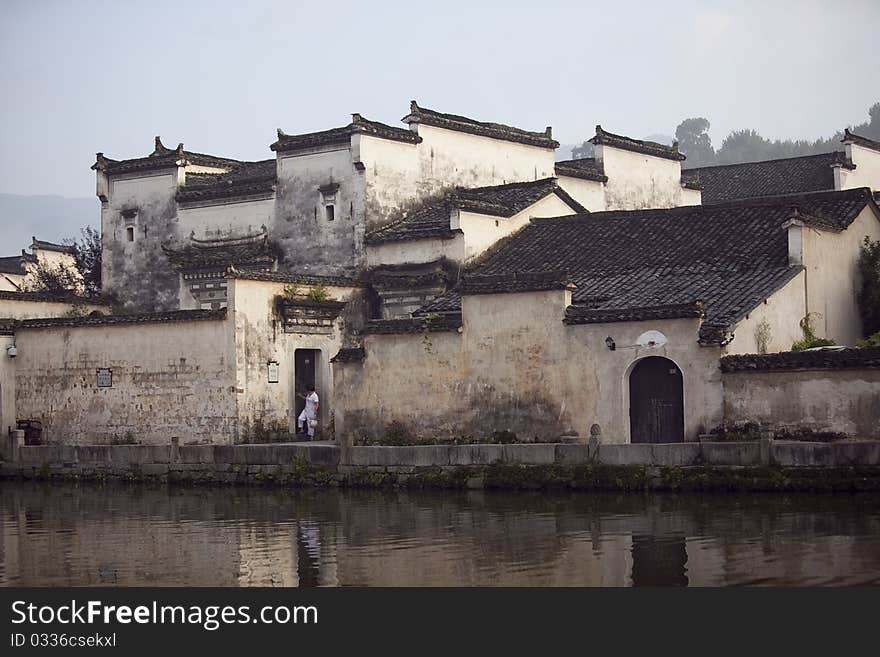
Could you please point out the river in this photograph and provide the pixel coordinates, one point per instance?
(64, 534)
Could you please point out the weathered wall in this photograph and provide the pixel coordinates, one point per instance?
(833, 280)
(782, 311)
(311, 243)
(399, 174)
(7, 386)
(33, 305)
(845, 401)
(260, 337)
(224, 219)
(516, 366)
(637, 181)
(482, 231)
(139, 271)
(169, 379)
(415, 251)
(589, 193)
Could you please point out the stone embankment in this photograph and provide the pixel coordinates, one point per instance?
(759, 465)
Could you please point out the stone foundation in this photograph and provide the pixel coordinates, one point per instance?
(762, 465)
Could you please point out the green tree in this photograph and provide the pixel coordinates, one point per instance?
(694, 141)
(869, 289)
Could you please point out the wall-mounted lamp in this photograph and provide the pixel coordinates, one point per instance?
(11, 351)
(609, 342)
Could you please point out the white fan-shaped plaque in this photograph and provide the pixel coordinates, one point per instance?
(652, 339)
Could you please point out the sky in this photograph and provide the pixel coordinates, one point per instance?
(221, 76)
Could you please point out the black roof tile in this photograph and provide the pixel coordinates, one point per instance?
(161, 158)
(851, 137)
(412, 325)
(728, 182)
(587, 168)
(245, 179)
(358, 125)
(484, 129)
(730, 256)
(430, 219)
(247, 253)
(826, 358)
(293, 278)
(105, 320)
(636, 145)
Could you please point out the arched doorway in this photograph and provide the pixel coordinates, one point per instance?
(656, 402)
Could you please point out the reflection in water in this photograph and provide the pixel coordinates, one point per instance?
(68, 534)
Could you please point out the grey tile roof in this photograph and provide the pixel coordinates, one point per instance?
(514, 282)
(52, 296)
(730, 256)
(259, 253)
(727, 182)
(161, 158)
(105, 320)
(293, 278)
(587, 314)
(430, 219)
(245, 179)
(586, 168)
(412, 325)
(636, 145)
(851, 137)
(12, 265)
(819, 359)
(431, 117)
(358, 125)
(51, 246)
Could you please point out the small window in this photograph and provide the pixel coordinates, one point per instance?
(331, 212)
(129, 233)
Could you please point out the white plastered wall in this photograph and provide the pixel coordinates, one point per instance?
(589, 193)
(637, 181)
(782, 311)
(832, 277)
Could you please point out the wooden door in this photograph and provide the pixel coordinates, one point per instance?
(656, 402)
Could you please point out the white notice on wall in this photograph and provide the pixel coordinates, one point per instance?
(273, 371)
(104, 377)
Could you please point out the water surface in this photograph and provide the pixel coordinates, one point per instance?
(115, 535)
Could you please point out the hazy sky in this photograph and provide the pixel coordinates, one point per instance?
(82, 76)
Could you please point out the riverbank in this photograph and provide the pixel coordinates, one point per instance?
(765, 465)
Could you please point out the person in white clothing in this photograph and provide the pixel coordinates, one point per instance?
(309, 415)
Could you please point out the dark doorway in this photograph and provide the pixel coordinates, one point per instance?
(304, 362)
(656, 402)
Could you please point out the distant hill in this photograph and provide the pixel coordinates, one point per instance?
(50, 218)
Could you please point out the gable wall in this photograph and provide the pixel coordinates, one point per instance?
(138, 271)
(833, 279)
(399, 174)
(589, 193)
(482, 231)
(782, 311)
(637, 181)
(310, 242)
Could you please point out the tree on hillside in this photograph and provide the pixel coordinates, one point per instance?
(694, 141)
(584, 150)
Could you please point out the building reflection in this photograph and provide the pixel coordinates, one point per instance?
(63, 535)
